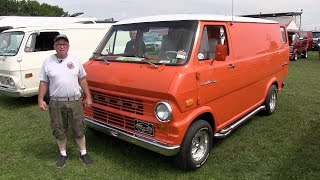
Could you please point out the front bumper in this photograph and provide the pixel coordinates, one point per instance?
(145, 142)
(12, 92)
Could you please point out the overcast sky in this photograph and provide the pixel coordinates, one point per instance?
(124, 9)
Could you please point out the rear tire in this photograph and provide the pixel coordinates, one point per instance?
(271, 102)
(305, 55)
(196, 146)
(295, 57)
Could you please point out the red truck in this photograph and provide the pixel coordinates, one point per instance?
(299, 42)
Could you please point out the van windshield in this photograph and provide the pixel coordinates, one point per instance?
(10, 43)
(167, 43)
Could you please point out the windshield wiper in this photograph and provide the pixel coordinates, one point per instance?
(154, 65)
(143, 59)
(103, 59)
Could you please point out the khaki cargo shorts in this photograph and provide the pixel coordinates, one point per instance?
(65, 113)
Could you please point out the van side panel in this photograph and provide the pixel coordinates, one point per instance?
(258, 53)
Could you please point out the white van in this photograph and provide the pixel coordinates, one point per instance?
(10, 22)
(21, 60)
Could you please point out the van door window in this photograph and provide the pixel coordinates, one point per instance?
(40, 41)
(283, 35)
(211, 37)
(30, 46)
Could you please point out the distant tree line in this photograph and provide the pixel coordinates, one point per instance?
(29, 8)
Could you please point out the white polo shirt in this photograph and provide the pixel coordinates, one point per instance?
(62, 76)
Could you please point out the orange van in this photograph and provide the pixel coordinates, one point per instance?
(205, 76)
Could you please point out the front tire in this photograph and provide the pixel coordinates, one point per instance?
(196, 146)
(305, 54)
(271, 102)
(295, 56)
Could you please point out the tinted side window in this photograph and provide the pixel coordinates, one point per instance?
(43, 41)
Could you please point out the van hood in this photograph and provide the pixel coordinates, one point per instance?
(130, 78)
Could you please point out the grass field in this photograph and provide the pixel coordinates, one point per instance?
(285, 145)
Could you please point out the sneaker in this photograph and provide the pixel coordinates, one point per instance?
(85, 159)
(61, 161)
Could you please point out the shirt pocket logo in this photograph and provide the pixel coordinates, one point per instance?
(70, 65)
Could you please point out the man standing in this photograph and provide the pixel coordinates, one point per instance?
(61, 74)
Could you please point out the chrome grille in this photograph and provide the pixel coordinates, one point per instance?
(115, 119)
(126, 104)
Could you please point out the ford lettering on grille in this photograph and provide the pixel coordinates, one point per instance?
(143, 127)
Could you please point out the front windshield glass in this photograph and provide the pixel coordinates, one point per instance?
(155, 42)
(10, 43)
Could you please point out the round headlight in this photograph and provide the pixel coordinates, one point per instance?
(163, 111)
(11, 82)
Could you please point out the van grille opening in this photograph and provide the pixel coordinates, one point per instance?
(115, 119)
(126, 104)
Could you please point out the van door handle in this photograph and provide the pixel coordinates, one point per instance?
(231, 66)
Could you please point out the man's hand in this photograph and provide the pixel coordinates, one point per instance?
(42, 105)
(87, 102)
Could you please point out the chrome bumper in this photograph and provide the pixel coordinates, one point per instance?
(133, 138)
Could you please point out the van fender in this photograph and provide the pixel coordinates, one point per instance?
(196, 114)
(272, 81)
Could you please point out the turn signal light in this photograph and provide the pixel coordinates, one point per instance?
(29, 75)
(189, 102)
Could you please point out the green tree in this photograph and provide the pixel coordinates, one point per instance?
(8, 7)
(29, 8)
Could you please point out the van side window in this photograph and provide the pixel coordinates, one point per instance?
(30, 46)
(40, 42)
(283, 35)
(211, 37)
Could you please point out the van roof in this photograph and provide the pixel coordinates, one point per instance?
(65, 26)
(22, 21)
(199, 17)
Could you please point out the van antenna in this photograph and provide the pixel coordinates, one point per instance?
(232, 13)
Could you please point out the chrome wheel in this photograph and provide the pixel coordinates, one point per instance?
(200, 144)
(273, 101)
(196, 146)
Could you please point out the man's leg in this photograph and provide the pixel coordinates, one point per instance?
(81, 142)
(79, 129)
(59, 127)
(62, 144)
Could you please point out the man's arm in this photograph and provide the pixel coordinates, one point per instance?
(87, 96)
(43, 88)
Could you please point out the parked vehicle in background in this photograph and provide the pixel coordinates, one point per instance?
(316, 40)
(200, 84)
(21, 60)
(309, 36)
(298, 43)
(9, 22)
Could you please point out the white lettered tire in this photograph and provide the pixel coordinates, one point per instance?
(196, 146)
